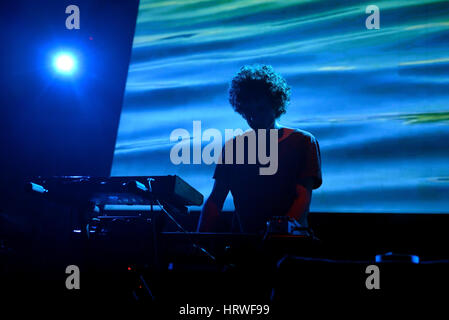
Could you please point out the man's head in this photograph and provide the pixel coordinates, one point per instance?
(260, 95)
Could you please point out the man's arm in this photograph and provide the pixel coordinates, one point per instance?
(302, 201)
(212, 207)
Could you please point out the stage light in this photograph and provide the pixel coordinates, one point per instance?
(64, 63)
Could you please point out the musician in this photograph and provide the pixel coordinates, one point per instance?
(260, 96)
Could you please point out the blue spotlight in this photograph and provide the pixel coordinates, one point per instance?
(64, 63)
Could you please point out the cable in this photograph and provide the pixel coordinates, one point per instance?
(187, 233)
(434, 261)
(312, 259)
(194, 244)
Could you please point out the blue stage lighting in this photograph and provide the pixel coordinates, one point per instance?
(64, 63)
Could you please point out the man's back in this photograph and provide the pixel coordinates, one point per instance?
(258, 197)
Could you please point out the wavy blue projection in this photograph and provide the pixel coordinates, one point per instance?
(377, 100)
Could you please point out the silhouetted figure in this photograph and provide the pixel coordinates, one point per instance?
(261, 96)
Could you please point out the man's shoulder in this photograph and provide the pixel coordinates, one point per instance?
(300, 134)
(292, 133)
(247, 133)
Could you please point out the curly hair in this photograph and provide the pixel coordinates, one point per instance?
(251, 81)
